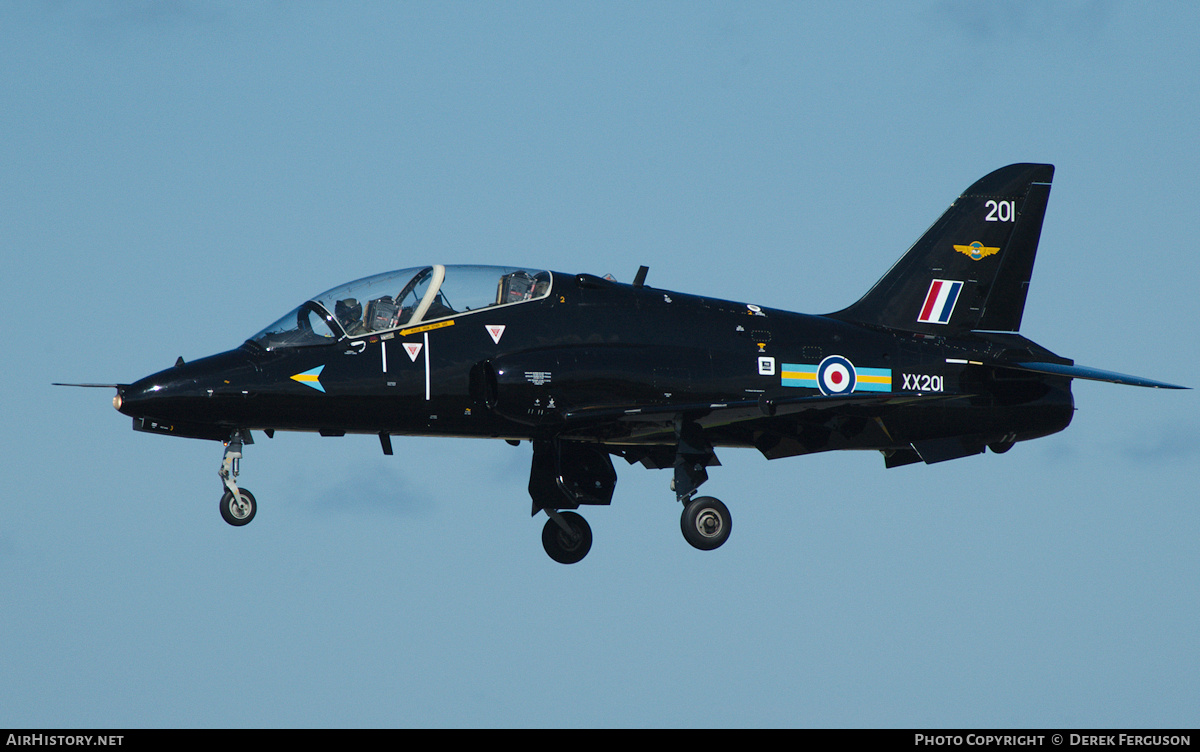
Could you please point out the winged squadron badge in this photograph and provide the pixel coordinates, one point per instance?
(976, 250)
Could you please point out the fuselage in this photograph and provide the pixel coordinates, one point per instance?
(536, 369)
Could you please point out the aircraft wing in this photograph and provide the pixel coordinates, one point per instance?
(716, 414)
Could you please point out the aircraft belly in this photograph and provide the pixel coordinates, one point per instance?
(984, 417)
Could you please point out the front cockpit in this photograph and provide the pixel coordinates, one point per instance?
(402, 298)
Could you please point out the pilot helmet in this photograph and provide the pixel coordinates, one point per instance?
(348, 311)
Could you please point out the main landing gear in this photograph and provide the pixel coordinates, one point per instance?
(705, 522)
(567, 474)
(237, 504)
(567, 537)
(564, 476)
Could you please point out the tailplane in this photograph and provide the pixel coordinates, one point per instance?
(1090, 374)
(971, 269)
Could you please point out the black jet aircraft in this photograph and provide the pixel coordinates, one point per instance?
(928, 366)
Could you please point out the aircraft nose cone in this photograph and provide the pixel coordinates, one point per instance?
(178, 392)
(191, 399)
(135, 398)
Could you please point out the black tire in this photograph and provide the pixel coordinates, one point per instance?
(238, 514)
(705, 523)
(564, 548)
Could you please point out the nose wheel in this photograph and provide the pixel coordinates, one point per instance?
(238, 506)
(238, 510)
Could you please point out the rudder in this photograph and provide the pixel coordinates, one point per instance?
(971, 269)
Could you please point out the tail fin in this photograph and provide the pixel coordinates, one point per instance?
(971, 269)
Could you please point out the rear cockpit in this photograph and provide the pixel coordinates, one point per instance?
(402, 298)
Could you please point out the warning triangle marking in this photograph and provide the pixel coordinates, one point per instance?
(497, 331)
(413, 349)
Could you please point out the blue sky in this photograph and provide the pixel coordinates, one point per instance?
(177, 175)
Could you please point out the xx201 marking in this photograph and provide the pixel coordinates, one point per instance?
(922, 382)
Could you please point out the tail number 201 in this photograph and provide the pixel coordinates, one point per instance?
(1001, 211)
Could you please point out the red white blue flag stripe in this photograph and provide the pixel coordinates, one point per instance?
(939, 301)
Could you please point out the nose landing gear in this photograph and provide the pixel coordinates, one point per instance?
(238, 510)
(238, 506)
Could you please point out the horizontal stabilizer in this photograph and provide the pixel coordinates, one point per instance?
(1091, 374)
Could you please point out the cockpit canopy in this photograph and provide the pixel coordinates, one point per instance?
(403, 298)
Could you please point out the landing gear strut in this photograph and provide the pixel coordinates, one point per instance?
(705, 521)
(565, 475)
(238, 506)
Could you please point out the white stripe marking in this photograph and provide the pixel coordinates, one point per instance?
(426, 366)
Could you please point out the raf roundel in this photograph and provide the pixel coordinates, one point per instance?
(835, 375)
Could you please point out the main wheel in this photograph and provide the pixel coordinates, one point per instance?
(705, 523)
(238, 512)
(563, 547)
